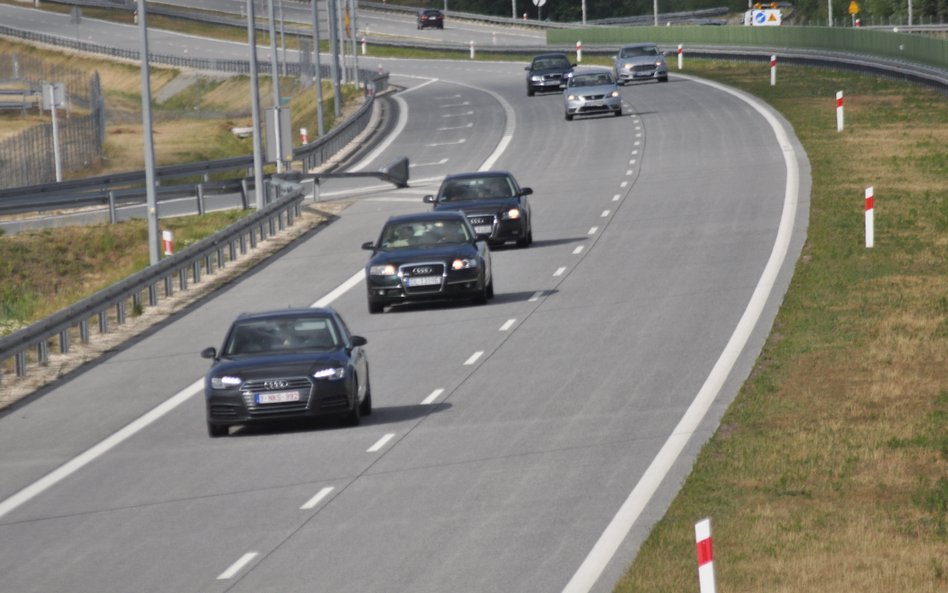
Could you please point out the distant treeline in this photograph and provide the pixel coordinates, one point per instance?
(803, 11)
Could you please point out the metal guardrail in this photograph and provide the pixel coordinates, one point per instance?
(114, 304)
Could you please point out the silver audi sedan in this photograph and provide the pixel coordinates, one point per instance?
(592, 91)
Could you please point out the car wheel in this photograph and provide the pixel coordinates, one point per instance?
(365, 408)
(530, 92)
(217, 430)
(618, 112)
(375, 307)
(490, 288)
(482, 296)
(569, 117)
(663, 79)
(441, 27)
(525, 240)
(354, 417)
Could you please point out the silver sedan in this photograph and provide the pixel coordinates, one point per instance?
(592, 92)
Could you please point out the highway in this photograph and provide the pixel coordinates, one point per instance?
(526, 445)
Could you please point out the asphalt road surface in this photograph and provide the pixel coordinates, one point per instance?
(526, 445)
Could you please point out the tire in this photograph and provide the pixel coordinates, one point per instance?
(354, 417)
(490, 288)
(618, 113)
(481, 299)
(526, 240)
(217, 430)
(569, 117)
(530, 92)
(663, 79)
(375, 308)
(365, 408)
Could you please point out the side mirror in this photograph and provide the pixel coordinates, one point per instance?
(358, 341)
(526, 191)
(369, 245)
(210, 352)
(430, 199)
(527, 68)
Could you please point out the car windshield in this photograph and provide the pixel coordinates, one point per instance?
(402, 235)
(592, 79)
(479, 188)
(267, 336)
(634, 52)
(551, 63)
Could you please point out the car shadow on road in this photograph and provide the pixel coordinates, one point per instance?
(380, 415)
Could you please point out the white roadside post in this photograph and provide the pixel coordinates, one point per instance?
(839, 111)
(167, 240)
(773, 70)
(579, 52)
(705, 556)
(472, 49)
(870, 218)
(304, 136)
(363, 46)
(680, 56)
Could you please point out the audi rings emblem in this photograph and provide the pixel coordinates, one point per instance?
(276, 384)
(423, 270)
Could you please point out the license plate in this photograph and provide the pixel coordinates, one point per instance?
(278, 397)
(594, 104)
(482, 229)
(424, 281)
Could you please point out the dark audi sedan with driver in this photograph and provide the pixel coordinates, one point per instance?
(286, 364)
(493, 202)
(427, 256)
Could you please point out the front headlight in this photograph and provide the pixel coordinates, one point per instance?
(464, 263)
(512, 214)
(225, 382)
(627, 66)
(572, 97)
(331, 374)
(614, 94)
(536, 78)
(382, 270)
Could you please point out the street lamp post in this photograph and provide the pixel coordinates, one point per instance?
(151, 202)
(255, 107)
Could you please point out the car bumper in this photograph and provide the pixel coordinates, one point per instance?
(624, 76)
(226, 407)
(391, 291)
(611, 105)
(547, 85)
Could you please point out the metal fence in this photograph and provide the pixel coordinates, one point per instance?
(28, 158)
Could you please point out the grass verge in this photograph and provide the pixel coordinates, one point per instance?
(829, 472)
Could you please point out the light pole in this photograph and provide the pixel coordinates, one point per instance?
(275, 76)
(255, 107)
(151, 202)
(319, 76)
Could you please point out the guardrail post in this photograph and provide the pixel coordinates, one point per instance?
(243, 193)
(169, 286)
(19, 364)
(220, 258)
(120, 312)
(112, 214)
(243, 242)
(42, 353)
(136, 303)
(183, 278)
(84, 331)
(103, 322)
(196, 271)
(64, 341)
(152, 295)
(200, 199)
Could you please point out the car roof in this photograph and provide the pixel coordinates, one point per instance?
(289, 313)
(645, 44)
(477, 175)
(556, 54)
(591, 70)
(428, 216)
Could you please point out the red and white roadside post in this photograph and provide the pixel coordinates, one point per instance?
(839, 111)
(681, 55)
(773, 70)
(472, 49)
(870, 217)
(304, 136)
(579, 51)
(167, 238)
(364, 46)
(706, 580)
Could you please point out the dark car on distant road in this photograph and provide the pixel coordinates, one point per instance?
(430, 18)
(427, 256)
(493, 202)
(548, 72)
(286, 364)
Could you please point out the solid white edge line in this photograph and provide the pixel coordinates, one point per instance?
(432, 397)
(605, 548)
(237, 566)
(96, 451)
(381, 443)
(315, 500)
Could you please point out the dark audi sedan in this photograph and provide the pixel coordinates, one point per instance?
(286, 364)
(493, 202)
(427, 256)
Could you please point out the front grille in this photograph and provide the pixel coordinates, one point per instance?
(552, 77)
(594, 97)
(220, 411)
(643, 68)
(485, 219)
(250, 389)
(424, 277)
